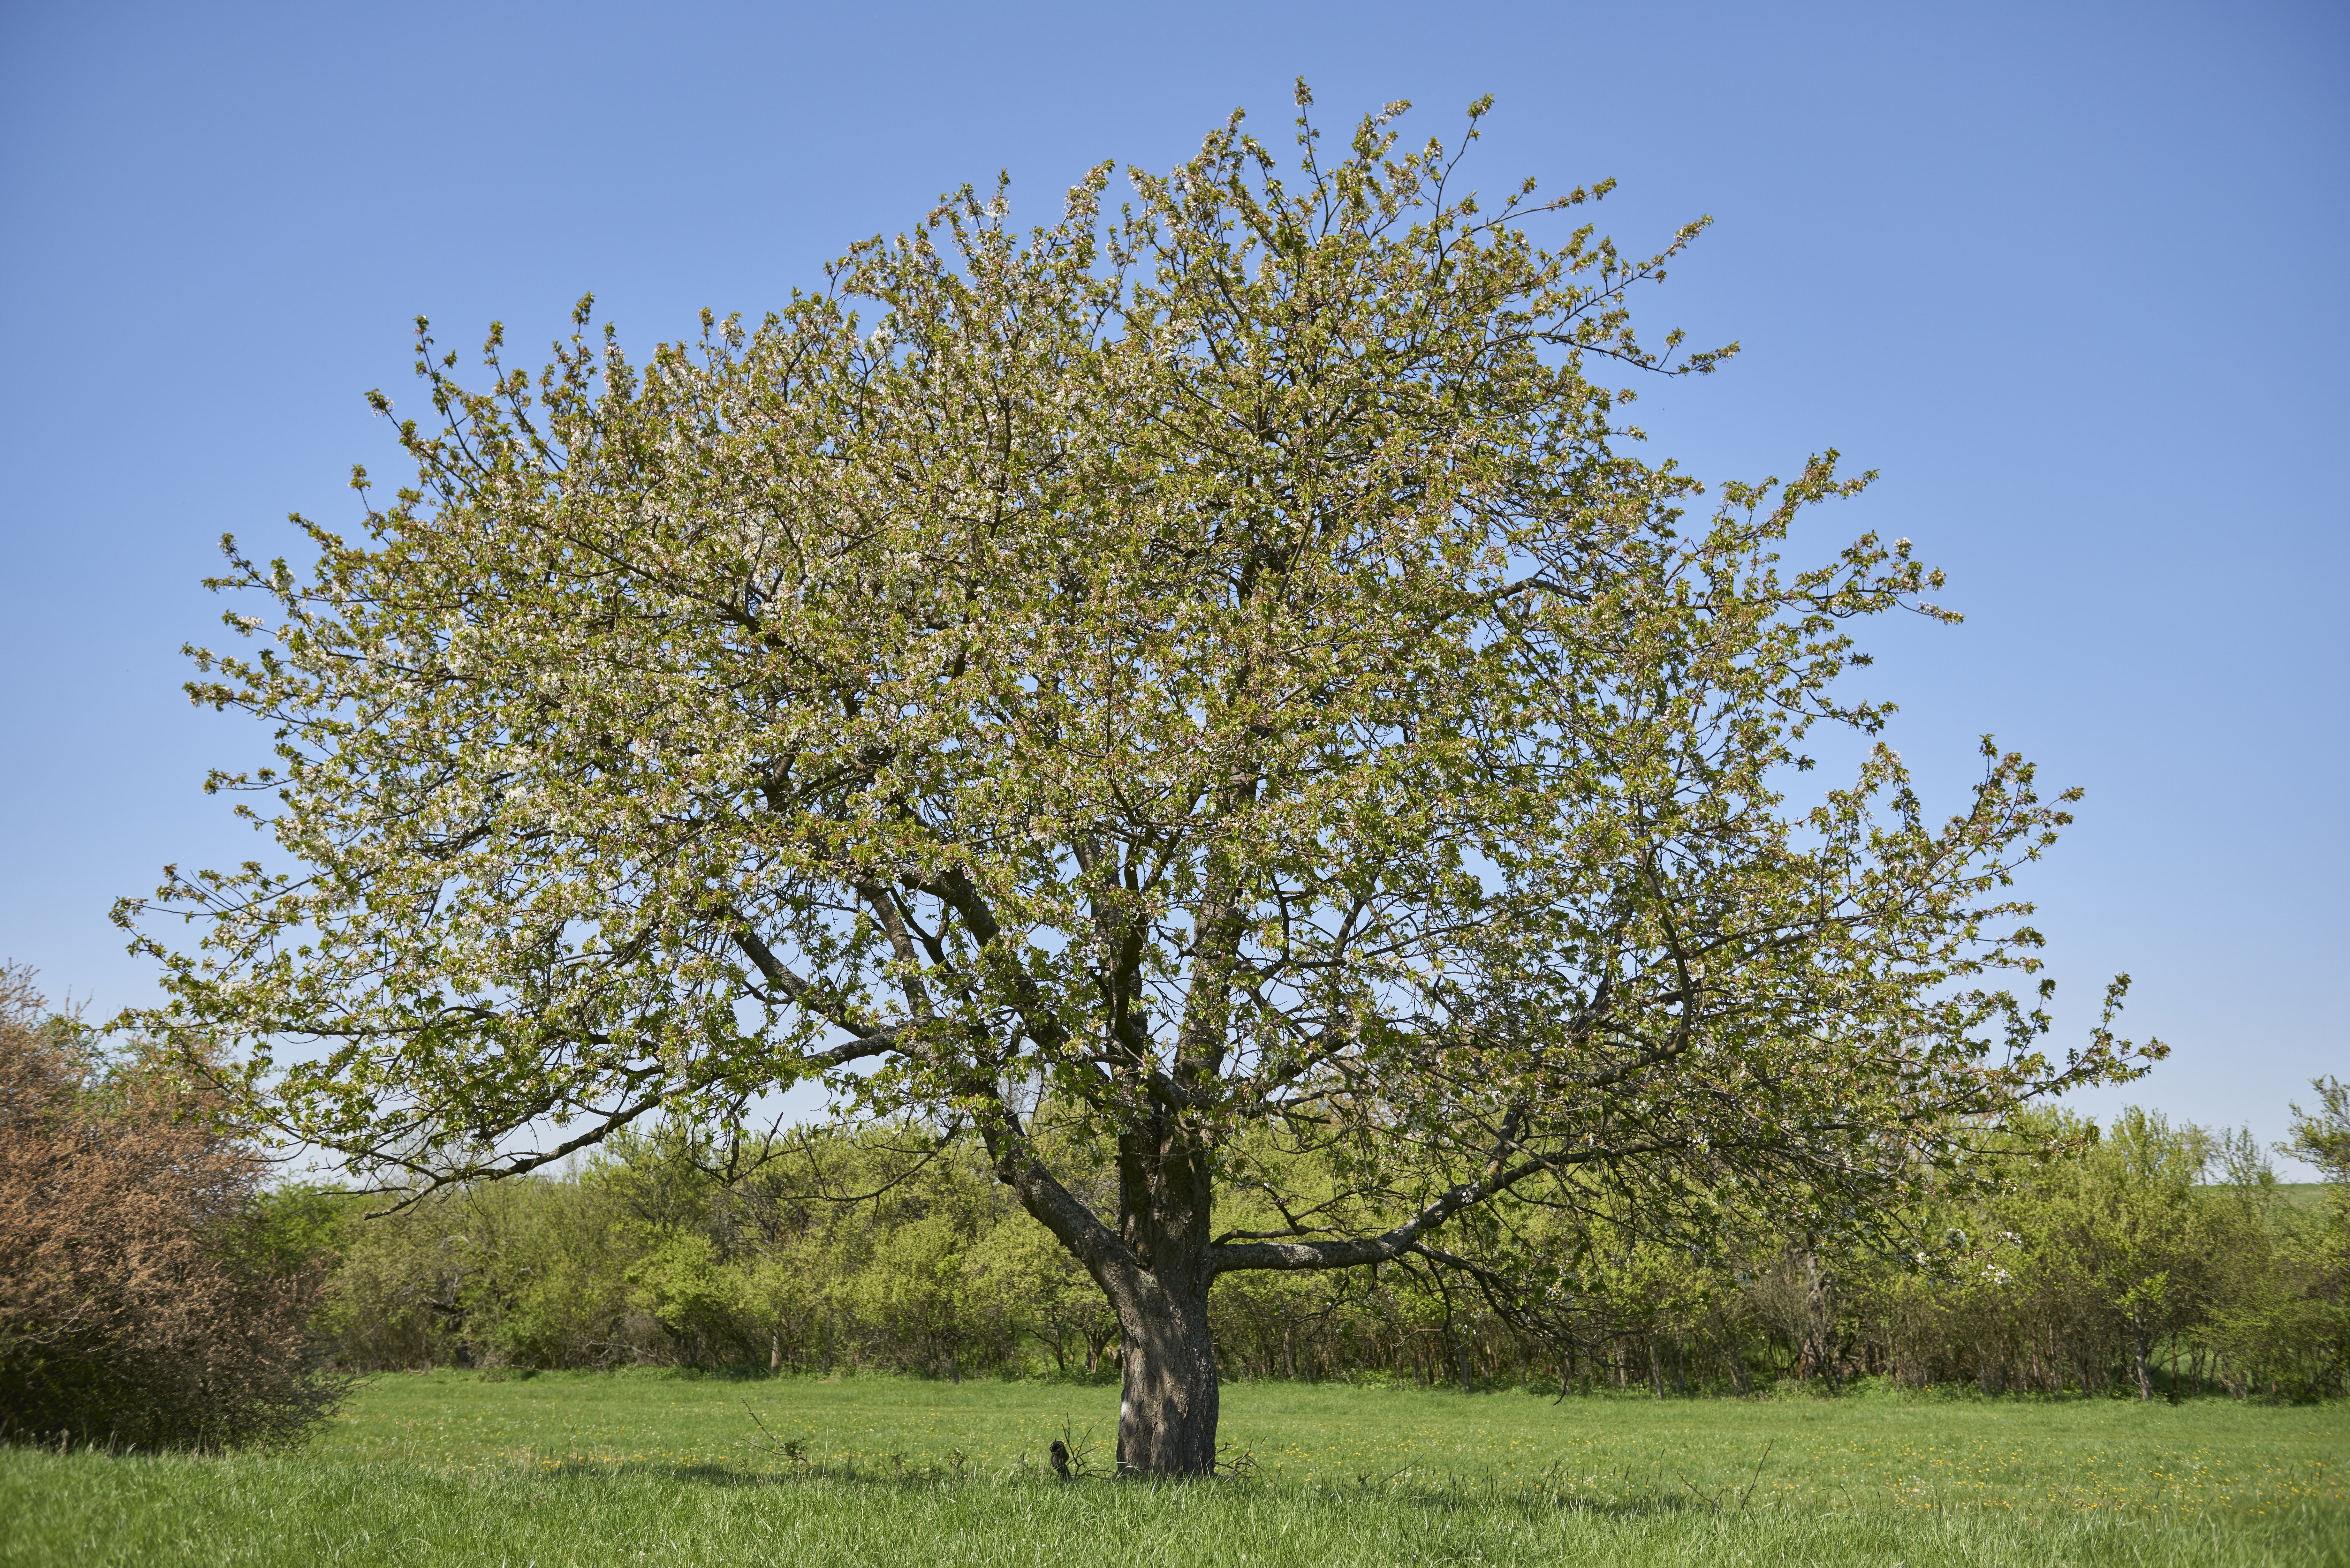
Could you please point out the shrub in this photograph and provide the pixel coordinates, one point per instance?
(139, 1306)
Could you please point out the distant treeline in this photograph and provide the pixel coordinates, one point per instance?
(2156, 1259)
(157, 1290)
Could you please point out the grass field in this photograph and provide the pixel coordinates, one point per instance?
(631, 1467)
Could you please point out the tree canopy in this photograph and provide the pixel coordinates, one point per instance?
(1219, 668)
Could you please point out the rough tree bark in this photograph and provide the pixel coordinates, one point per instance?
(1819, 1353)
(1167, 1397)
(1155, 1269)
(1167, 1404)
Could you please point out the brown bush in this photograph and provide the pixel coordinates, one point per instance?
(129, 1311)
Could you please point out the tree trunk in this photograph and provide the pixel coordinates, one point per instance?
(1168, 1394)
(1819, 1351)
(1154, 1270)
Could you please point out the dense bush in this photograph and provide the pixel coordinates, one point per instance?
(155, 1291)
(2162, 1256)
(147, 1296)
(2153, 1260)
(833, 1250)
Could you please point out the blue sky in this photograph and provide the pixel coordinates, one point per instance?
(2070, 276)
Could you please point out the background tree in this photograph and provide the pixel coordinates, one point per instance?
(1217, 666)
(2322, 1136)
(2128, 1225)
(2315, 1256)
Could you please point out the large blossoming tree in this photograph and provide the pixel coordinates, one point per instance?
(1215, 670)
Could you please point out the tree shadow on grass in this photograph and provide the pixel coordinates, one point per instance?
(1422, 1495)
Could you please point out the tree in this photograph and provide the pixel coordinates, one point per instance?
(2319, 1254)
(2128, 1231)
(1217, 666)
(2323, 1136)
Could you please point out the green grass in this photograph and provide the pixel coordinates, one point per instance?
(2307, 1194)
(648, 1468)
(2296, 1194)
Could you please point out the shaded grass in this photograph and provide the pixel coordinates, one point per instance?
(589, 1469)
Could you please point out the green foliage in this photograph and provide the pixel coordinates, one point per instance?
(1220, 665)
(2126, 1261)
(2117, 1264)
(2322, 1136)
(525, 1275)
(291, 1226)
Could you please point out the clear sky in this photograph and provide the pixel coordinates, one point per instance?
(2072, 276)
